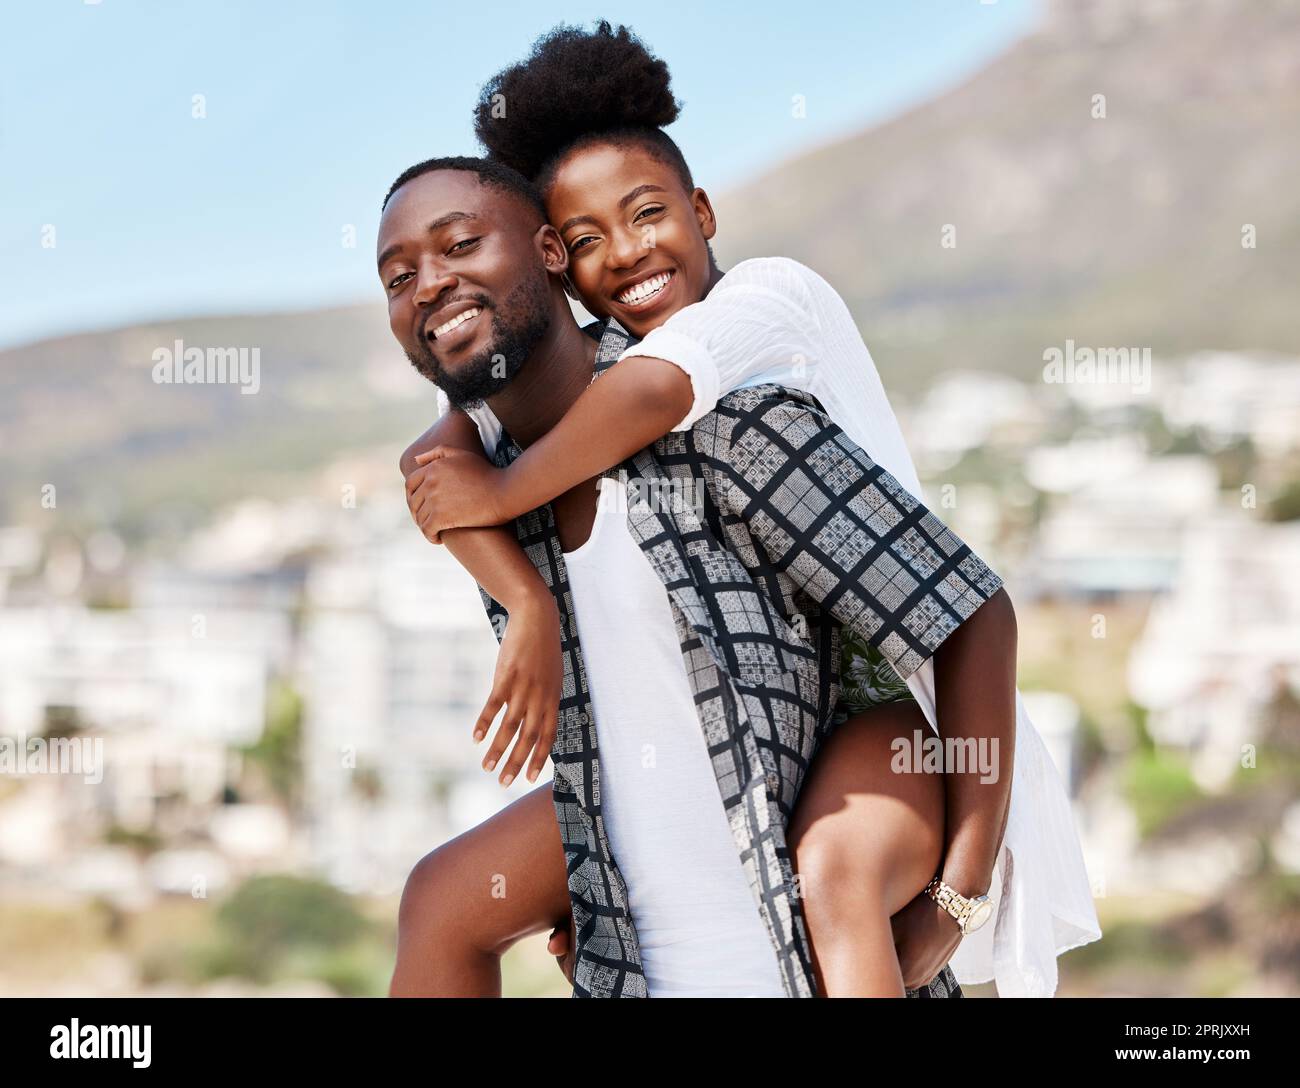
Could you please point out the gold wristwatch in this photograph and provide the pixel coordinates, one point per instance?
(969, 913)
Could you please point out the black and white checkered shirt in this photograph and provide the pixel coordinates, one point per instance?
(770, 529)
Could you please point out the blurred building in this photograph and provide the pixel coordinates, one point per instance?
(165, 694)
(1217, 646)
(397, 661)
(1118, 516)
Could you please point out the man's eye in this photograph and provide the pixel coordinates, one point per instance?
(463, 242)
(396, 280)
(651, 209)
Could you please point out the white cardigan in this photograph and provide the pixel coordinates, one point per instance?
(773, 319)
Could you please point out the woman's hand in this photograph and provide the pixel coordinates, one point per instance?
(453, 488)
(561, 945)
(529, 676)
(925, 937)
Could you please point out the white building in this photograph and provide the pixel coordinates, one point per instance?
(1215, 649)
(161, 694)
(397, 661)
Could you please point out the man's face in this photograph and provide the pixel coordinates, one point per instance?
(468, 292)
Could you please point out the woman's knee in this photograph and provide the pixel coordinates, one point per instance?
(863, 834)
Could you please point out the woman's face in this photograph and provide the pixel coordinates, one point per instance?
(637, 239)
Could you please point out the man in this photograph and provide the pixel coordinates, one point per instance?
(474, 243)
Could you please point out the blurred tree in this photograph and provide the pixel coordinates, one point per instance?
(271, 918)
(1285, 505)
(278, 752)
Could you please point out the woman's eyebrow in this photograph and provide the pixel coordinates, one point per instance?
(638, 191)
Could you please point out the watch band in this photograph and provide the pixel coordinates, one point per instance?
(960, 907)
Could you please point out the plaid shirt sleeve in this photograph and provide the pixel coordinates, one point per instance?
(848, 533)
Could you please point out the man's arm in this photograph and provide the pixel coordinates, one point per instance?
(879, 561)
(493, 554)
(529, 673)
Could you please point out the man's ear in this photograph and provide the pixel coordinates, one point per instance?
(555, 254)
(704, 213)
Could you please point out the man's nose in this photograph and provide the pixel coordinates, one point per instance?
(432, 281)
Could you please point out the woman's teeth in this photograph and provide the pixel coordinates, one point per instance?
(459, 319)
(639, 292)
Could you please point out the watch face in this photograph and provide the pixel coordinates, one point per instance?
(979, 916)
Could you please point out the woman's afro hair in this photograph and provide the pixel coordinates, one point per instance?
(577, 87)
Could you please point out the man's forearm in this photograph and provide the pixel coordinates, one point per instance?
(975, 681)
(492, 554)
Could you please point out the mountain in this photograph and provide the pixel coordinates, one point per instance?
(1117, 231)
(85, 414)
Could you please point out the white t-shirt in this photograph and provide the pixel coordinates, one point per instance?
(772, 319)
(698, 924)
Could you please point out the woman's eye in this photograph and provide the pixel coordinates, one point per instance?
(580, 242)
(397, 280)
(652, 209)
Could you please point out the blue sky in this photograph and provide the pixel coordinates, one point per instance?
(313, 108)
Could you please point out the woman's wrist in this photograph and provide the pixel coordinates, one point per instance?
(508, 503)
(970, 878)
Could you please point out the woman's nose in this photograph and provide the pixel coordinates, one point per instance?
(626, 248)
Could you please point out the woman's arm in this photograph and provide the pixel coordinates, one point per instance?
(757, 324)
(975, 681)
(975, 692)
(529, 673)
(635, 402)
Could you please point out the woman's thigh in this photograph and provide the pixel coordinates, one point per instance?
(861, 827)
(494, 884)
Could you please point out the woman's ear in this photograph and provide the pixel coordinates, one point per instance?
(704, 213)
(555, 255)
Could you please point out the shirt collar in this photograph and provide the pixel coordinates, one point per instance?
(614, 340)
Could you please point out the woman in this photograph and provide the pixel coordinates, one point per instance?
(582, 120)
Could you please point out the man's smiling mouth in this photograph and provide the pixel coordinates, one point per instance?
(456, 322)
(645, 290)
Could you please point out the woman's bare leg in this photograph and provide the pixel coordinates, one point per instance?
(866, 841)
(469, 900)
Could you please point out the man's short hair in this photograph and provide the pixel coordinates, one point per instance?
(495, 174)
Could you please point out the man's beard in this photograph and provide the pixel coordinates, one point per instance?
(512, 341)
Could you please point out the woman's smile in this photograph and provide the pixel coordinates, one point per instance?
(647, 292)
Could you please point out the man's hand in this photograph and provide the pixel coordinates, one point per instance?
(528, 680)
(562, 944)
(451, 489)
(925, 937)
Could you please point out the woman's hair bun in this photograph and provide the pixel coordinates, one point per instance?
(574, 83)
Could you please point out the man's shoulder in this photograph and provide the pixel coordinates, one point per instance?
(770, 407)
(611, 341)
(756, 401)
